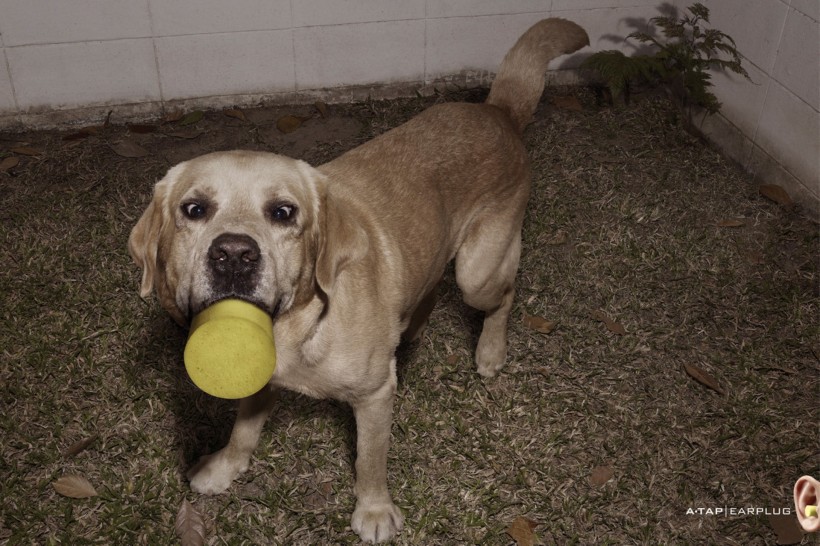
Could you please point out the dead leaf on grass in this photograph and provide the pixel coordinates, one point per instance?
(74, 486)
(702, 377)
(600, 475)
(193, 117)
(129, 148)
(786, 528)
(776, 194)
(188, 133)
(611, 325)
(9, 163)
(236, 113)
(539, 324)
(570, 102)
(288, 124)
(522, 530)
(321, 107)
(26, 150)
(732, 222)
(189, 525)
(79, 447)
(173, 116)
(85, 132)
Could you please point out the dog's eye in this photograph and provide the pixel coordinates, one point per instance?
(194, 211)
(282, 213)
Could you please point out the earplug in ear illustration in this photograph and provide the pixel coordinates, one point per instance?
(806, 493)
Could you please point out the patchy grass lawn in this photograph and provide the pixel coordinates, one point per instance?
(631, 220)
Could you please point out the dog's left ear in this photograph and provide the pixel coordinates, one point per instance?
(341, 241)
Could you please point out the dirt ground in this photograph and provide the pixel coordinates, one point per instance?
(661, 386)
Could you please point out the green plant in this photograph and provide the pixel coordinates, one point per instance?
(681, 63)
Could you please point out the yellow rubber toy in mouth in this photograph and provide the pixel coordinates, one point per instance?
(230, 351)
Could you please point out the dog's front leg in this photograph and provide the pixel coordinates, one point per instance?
(214, 473)
(376, 518)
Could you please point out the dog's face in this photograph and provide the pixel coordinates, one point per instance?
(230, 225)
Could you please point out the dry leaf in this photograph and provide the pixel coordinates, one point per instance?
(568, 103)
(288, 124)
(734, 222)
(173, 116)
(193, 117)
(321, 107)
(539, 324)
(600, 475)
(189, 526)
(786, 528)
(776, 194)
(187, 133)
(452, 359)
(9, 163)
(129, 148)
(611, 325)
(85, 132)
(522, 530)
(26, 150)
(80, 446)
(74, 486)
(236, 114)
(702, 377)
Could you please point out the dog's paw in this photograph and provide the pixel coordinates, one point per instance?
(376, 522)
(490, 357)
(214, 473)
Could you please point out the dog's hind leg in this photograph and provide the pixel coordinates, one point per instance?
(214, 473)
(486, 265)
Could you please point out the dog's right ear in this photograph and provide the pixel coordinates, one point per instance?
(143, 243)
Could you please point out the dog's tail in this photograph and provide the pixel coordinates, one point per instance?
(520, 80)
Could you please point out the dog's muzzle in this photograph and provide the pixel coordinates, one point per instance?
(234, 264)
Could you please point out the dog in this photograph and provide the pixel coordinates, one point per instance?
(345, 257)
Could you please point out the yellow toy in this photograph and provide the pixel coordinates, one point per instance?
(230, 351)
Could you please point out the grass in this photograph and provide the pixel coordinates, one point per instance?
(624, 218)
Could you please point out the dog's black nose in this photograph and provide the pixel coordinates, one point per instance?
(234, 259)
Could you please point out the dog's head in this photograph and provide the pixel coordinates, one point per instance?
(248, 225)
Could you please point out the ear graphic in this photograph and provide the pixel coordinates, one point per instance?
(806, 492)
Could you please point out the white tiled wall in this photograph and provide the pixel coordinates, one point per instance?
(86, 57)
(774, 117)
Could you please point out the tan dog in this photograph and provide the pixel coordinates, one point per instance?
(344, 255)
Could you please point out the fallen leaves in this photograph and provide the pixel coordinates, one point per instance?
(189, 525)
(569, 102)
(522, 530)
(191, 118)
(288, 124)
(776, 193)
(703, 378)
(79, 447)
(74, 486)
(600, 475)
(9, 163)
(26, 150)
(129, 148)
(611, 325)
(539, 324)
